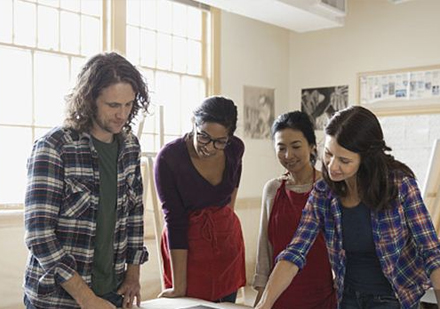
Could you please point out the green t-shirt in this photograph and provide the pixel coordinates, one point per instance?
(103, 272)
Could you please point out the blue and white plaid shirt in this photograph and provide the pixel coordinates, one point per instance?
(406, 242)
(60, 213)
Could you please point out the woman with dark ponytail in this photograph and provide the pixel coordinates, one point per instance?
(197, 179)
(283, 200)
(382, 245)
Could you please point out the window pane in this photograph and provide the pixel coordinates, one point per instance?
(15, 86)
(90, 33)
(53, 3)
(39, 132)
(170, 100)
(148, 14)
(48, 28)
(164, 51)
(180, 54)
(150, 124)
(193, 92)
(13, 163)
(195, 61)
(164, 15)
(148, 48)
(169, 138)
(92, 7)
(24, 23)
(179, 19)
(71, 5)
(6, 21)
(76, 64)
(70, 26)
(133, 47)
(51, 85)
(148, 143)
(194, 23)
(133, 12)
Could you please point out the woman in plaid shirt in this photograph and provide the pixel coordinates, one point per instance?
(382, 245)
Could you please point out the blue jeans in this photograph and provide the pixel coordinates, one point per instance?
(353, 299)
(229, 298)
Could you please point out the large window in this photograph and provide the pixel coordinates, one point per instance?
(169, 41)
(43, 43)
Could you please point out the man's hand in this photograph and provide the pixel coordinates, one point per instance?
(83, 295)
(131, 287)
(97, 302)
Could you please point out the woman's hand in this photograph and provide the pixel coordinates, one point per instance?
(259, 290)
(171, 293)
(262, 306)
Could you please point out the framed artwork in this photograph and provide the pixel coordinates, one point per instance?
(259, 106)
(321, 103)
(403, 91)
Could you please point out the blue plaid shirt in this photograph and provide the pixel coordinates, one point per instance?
(405, 239)
(60, 213)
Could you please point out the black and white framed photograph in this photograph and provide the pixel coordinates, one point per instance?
(322, 103)
(258, 111)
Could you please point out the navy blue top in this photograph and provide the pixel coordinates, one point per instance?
(182, 189)
(363, 272)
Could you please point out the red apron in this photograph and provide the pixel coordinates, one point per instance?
(216, 265)
(313, 286)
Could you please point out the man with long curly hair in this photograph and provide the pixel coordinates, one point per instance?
(83, 208)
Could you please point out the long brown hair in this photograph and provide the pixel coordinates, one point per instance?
(357, 129)
(100, 72)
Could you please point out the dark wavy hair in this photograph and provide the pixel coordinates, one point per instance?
(358, 130)
(219, 110)
(101, 71)
(298, 121)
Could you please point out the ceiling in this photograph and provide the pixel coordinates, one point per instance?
(295, 15)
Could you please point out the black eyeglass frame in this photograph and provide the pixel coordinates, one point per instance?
(206, 139)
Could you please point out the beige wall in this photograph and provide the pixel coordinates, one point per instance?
(377, 35)
(254, 54)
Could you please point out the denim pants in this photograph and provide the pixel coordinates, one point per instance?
(353, 299)
(229, 298)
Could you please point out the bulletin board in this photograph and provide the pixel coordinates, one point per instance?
(401, 91)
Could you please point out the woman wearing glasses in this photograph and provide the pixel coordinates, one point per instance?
(197, 178)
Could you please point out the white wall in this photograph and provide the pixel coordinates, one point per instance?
(377, 35)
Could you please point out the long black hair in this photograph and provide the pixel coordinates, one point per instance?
(219, 110)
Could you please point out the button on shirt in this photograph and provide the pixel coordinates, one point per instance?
(60, 213)
(405, 239)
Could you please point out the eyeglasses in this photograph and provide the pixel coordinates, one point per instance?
(205, 139)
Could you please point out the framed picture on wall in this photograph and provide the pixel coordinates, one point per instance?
(401, 91)
(259, 110)
(321, 103)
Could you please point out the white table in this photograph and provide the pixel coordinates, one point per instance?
(183, 302)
